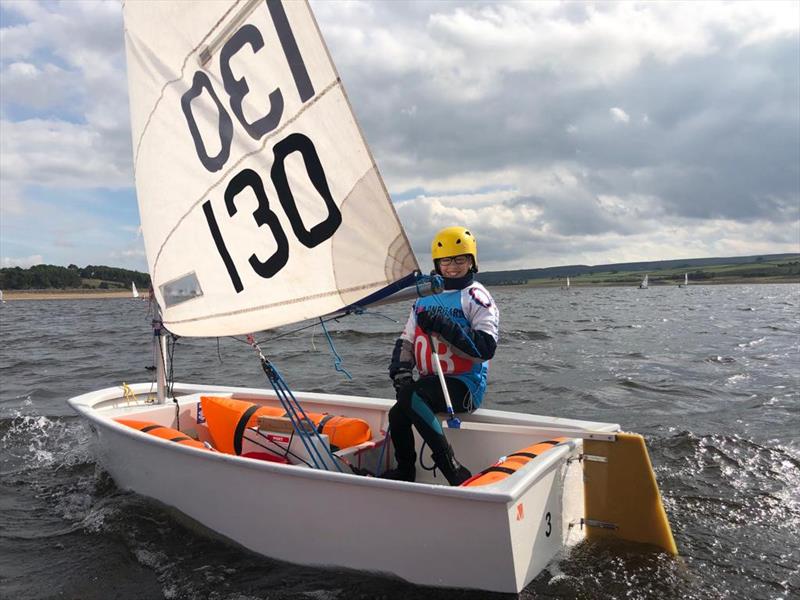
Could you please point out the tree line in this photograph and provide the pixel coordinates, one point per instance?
(41, 277)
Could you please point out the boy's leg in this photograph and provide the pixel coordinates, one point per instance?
(403, 440)
(420, 404)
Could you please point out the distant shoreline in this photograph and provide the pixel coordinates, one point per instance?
(14, 295)
(657, 284)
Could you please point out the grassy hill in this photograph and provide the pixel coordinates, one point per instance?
(766, 268)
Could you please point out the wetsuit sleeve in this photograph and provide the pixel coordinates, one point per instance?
(484, 319)
(478, 344)
(403, 352)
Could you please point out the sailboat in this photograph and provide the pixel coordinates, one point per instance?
(643, 285)
(261, 206)
(566, 284)
(134, 291)
(685, 281)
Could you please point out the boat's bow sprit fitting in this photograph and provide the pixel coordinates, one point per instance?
(276, 212)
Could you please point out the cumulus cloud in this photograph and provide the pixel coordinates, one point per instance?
(619, 115)
(64, 103)
(22, 262)
(516, 96)
(559, 132)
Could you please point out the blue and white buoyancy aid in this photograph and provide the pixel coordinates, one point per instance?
(473, 309)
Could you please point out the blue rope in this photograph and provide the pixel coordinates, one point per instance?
(337, 360)
(293, 408)
(297, 415)
(300, 429)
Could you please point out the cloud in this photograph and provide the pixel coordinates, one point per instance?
(58, 154)
(516, 96)
(23, 262)
(64, 105)
(619, 115)
(559, 132)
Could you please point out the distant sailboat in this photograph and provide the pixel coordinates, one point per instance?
(1, 297)
(643, 285)
(134, 291)
(685, 281)
(566, 285)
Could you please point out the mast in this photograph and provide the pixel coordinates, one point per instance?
(160, 355)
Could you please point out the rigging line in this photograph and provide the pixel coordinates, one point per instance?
(295, 406)
(286, 451)
(283, 335)
(337, 360)
(376, 314)
(291, 406)
(296, 409)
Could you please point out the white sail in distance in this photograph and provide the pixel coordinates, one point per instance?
(260, 202)
(134, 291)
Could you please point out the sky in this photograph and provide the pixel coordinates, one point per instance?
(559, 133)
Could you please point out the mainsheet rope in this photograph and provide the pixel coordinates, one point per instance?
(302, 424)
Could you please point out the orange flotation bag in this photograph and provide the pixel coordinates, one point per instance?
(227, 419)
(173, 435)
(512, 463)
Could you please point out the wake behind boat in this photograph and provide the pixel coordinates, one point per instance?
(276, 214)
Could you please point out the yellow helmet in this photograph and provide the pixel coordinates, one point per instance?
(454, 241)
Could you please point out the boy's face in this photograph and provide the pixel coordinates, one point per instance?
(454, 267)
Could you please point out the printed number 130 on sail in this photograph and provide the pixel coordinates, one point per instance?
(248, 38)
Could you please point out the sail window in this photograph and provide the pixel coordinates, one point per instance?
(181, 289)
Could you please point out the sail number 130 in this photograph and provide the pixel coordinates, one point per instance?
(236, 89)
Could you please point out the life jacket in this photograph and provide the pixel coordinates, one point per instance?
(173, 435)
(508, 465)
(227, 419)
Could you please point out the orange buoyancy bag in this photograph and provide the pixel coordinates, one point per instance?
(227, 419)
(173, 435)
(512, 463)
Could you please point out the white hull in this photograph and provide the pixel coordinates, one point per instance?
(495, 538)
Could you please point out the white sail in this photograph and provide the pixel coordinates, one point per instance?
(643, 285)
(134, 291)
(567, 281)
(260, 202)
(685, 279)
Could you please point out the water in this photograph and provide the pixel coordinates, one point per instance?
(709, 375)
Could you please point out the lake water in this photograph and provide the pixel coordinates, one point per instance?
(710, 375)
